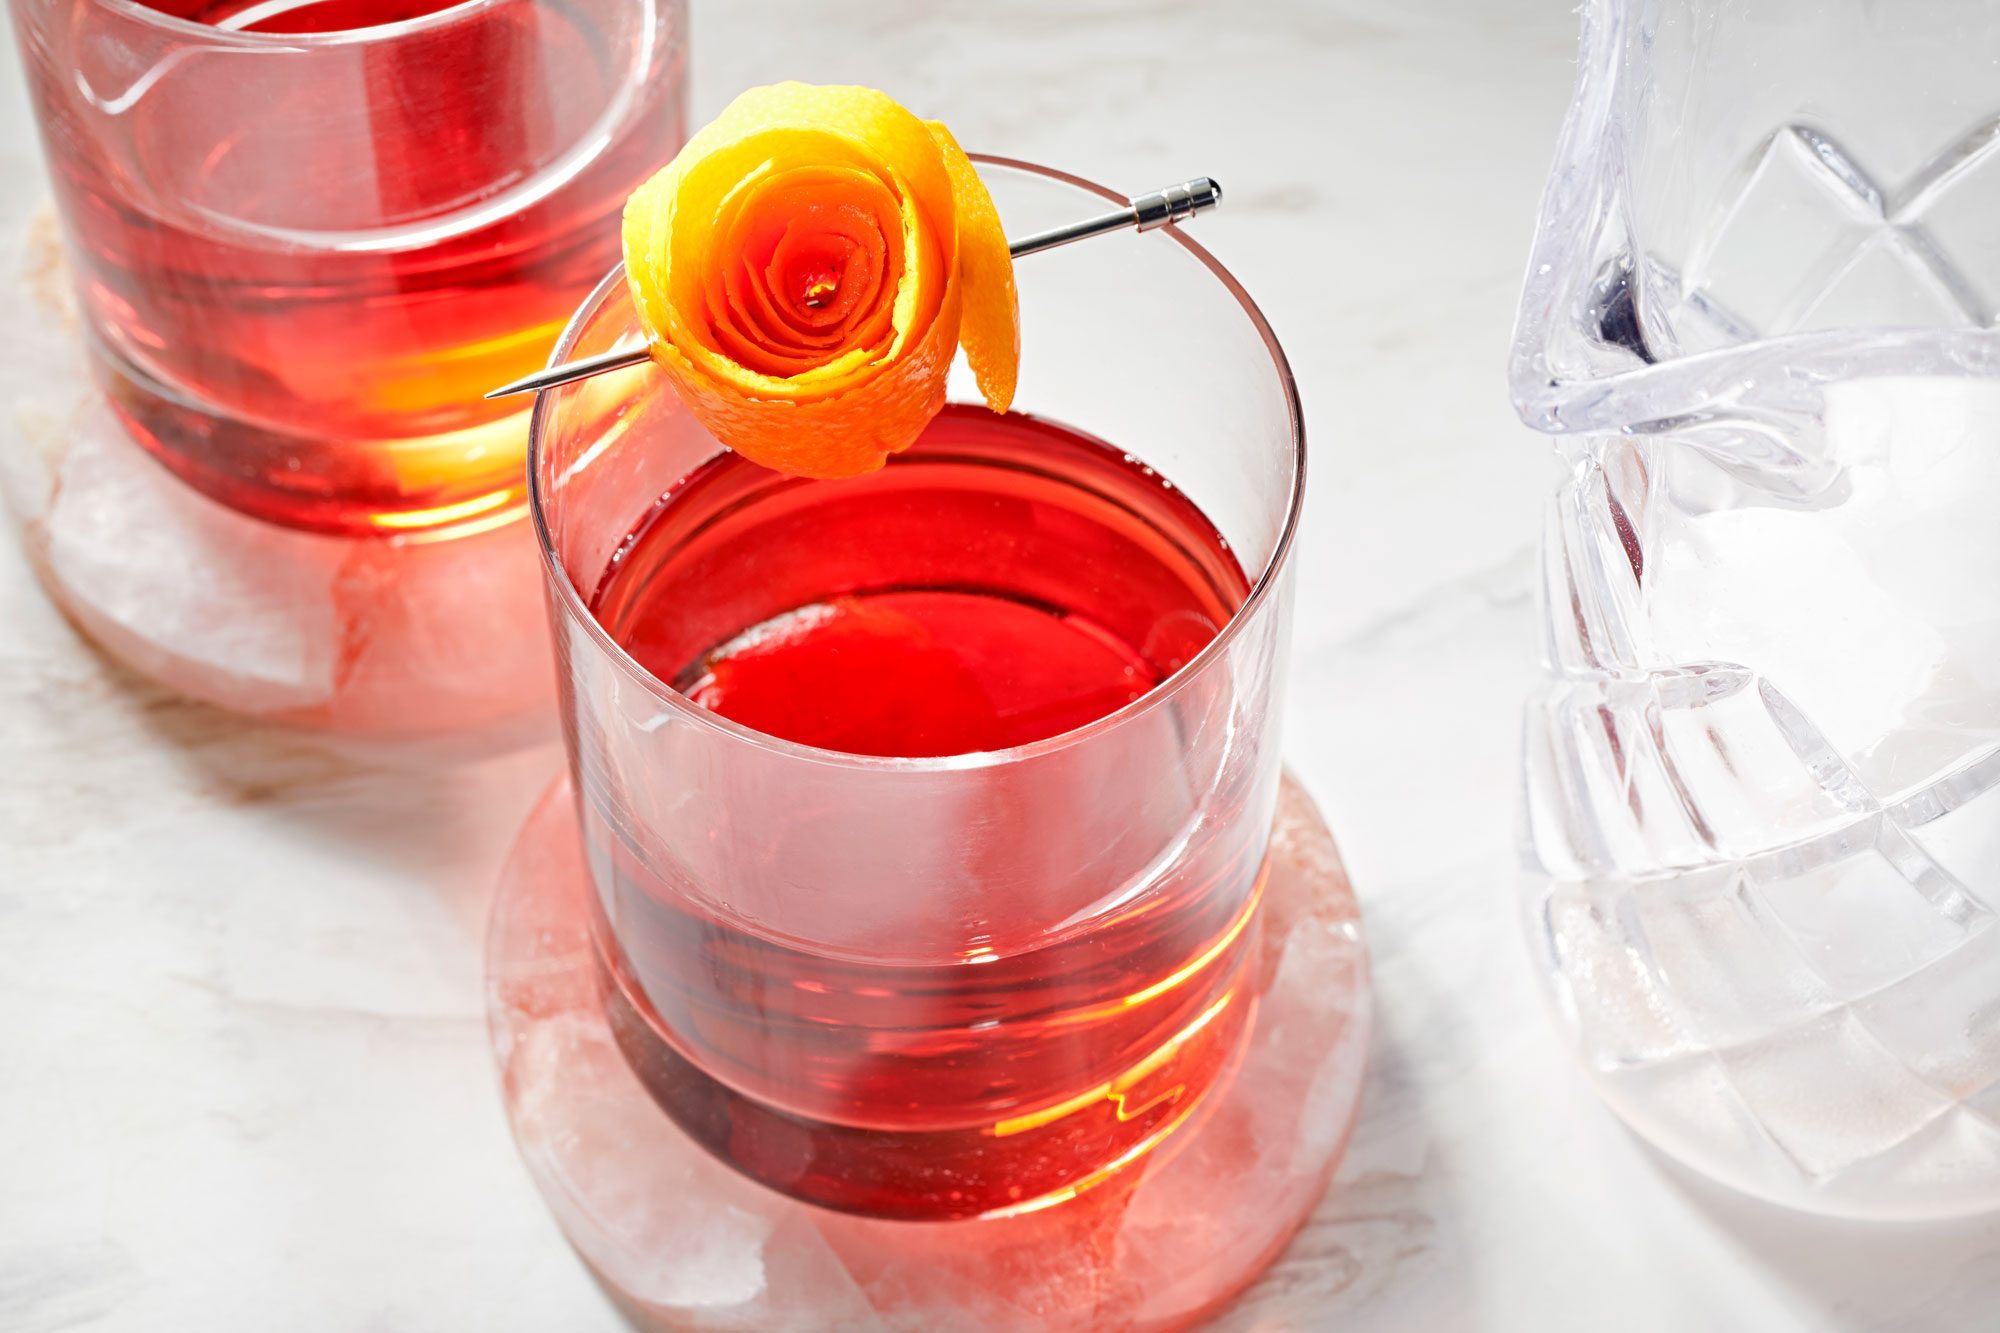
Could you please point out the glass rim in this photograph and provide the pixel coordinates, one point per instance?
(277, 42)
(1262, 588)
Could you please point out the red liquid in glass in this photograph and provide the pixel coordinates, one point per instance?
(1005, 581)
(298, 295)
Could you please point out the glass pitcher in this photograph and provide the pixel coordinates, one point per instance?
(1762, 780)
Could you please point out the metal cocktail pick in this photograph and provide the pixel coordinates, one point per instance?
(1143, 213)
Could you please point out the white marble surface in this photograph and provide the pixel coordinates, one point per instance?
(244, 1081)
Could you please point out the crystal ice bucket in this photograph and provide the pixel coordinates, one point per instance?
(1761, 809)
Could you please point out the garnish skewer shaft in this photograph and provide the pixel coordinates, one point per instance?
(1141, 213)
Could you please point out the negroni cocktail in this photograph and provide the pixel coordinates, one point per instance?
(921, 746)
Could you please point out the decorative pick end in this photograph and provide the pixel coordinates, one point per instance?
(1177, 202)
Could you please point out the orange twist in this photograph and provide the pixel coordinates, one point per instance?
(806, 269)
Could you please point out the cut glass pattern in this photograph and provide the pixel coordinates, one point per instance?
(1763, 779)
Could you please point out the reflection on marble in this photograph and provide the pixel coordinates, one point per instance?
(244, 1032)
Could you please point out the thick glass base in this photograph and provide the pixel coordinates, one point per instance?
(436, 643)
(943, 1174)
(685, 1242)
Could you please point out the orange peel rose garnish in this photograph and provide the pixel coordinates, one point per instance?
(807, 268)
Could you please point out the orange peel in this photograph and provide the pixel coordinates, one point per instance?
(807, 268)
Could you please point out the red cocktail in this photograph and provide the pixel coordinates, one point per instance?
(927, 811)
